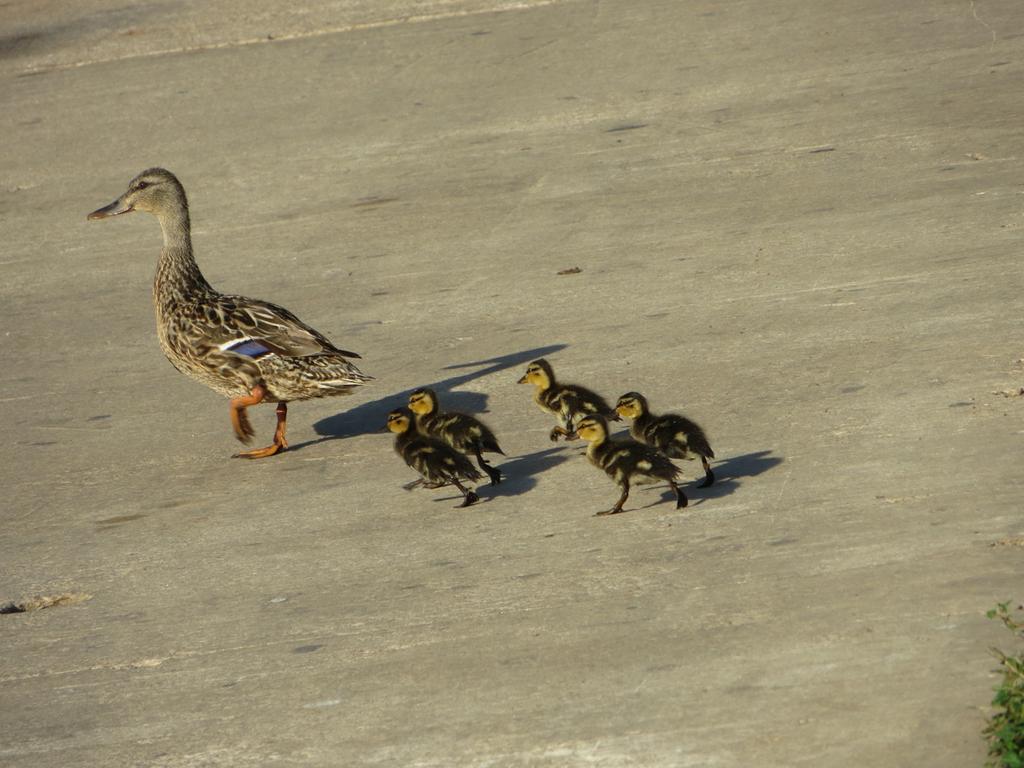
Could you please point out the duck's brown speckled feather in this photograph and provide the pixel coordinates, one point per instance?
(204, 332)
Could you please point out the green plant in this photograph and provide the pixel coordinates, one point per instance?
(1005, 731)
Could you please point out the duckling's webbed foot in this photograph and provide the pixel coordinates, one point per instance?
(279, 444)
(681, 500)
(618, 505)
(469, 497)
(421, 483)
(709, 476)
(492, 473)
(562, 432)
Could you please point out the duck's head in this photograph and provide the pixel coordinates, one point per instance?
(154, 191)
(399, 420)
(593, 429)
(631, 405)
(423, 400)
(539, 373)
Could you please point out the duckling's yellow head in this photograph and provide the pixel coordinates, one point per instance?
(155, 190)
(631, 405)
(423, 400)
(592, 428)
(539, 373)
(399, 420)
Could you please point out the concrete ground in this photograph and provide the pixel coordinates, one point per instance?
(797, 222)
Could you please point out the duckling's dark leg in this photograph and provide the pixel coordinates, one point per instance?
(561, 431)
(492, 473)
(681, 500)
(279, 443)
(470, 496)
(709, 476)
(618, 504)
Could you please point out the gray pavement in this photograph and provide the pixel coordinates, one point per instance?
(797, 222)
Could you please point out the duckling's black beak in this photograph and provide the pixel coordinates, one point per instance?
(522, 380)
(116, 208)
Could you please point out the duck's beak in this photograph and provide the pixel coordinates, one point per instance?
(116, 208)
(522, 380)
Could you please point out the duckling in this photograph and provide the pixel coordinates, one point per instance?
(437, 462)
(249, 350)
(674, 435)
(568, 402)
(622, 460)
(462, 432)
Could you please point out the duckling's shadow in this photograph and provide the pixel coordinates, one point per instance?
(665, 495)
(519, 474)
(729, 474)
(369, 417)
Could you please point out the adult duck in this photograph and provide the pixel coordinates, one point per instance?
(249, 350)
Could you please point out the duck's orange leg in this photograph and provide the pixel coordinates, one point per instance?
(244, 430)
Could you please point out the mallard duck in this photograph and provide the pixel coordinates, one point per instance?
(249, 350)
(624, 459)
(466, 434)
(568, 402)
(437, 462)
(674, 435)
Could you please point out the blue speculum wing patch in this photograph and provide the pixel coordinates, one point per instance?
(250, 348)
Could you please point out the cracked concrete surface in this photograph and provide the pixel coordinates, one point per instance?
(797, 223)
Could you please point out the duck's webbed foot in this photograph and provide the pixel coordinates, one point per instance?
(280, 443)
(240, 419)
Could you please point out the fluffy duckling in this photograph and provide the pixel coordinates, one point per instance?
(249, 350)
(568, 402)
(462, 432)
(674, 435)
(438, 463)
(623, 460)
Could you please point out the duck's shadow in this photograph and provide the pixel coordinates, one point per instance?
(729, 475)
(370, 417)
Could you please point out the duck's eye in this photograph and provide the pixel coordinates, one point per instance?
(142, 185)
